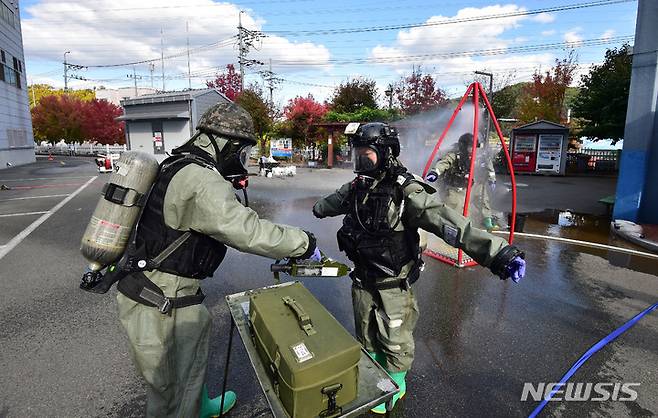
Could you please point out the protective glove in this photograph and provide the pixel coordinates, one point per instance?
(316, 256)
(516, 269)
(432, 176)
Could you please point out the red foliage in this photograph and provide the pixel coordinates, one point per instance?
(72, 119)
(301, 113)
(99, 124)
(227, 83)
(419, 93)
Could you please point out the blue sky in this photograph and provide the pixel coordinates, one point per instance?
(108, 32)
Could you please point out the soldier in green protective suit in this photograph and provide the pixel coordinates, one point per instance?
(193, 210)
(384, 207)
(454, 169)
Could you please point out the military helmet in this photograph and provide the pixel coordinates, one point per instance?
(229, 120)
(375, 133)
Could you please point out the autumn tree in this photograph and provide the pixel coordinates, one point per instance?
(301, 113)
(253, 102)
(36, 92)
(543, 98)
(73, 119)
(227, 83)
(603, 98)
(99, 122)
(418, 92)
(354, 94)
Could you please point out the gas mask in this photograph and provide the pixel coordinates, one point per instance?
(367, 160)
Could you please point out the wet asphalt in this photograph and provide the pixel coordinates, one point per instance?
(478, 339)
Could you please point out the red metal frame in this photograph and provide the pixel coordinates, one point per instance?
(477, 90)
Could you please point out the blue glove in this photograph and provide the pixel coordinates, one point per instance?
(317, 255)
(492, 185)
(516, 269)
(432, 176)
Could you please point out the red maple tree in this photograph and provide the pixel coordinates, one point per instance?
(301, 113)
(99, 122)
(227, 83)
(72, 119)
(419, 93)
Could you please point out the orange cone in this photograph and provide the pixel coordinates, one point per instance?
(50, 157)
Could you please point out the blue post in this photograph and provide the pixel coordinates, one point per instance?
(637, 187)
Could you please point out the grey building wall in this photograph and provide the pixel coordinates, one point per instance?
(176, 132)
(173, 107)
(203, 102)
(16, 138)
(141, 136)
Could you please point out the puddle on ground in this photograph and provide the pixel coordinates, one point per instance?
(591, 228)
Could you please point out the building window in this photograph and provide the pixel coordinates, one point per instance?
(8, 16)
(8, 74)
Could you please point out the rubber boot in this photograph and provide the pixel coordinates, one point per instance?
(398, 377)
(210, 407)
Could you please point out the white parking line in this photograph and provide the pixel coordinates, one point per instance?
(23, 214)
(34, 225)
(33, 197)
(45, 178)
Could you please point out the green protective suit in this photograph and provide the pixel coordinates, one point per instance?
(171, 351)
(455, 190)
(385, 319)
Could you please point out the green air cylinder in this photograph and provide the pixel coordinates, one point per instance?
(107, 233)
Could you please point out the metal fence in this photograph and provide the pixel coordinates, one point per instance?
(593, 161)
(79, 149)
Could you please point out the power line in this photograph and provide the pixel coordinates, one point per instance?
(471, 53)
(450, 21)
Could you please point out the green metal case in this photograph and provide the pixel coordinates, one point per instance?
(312, 360)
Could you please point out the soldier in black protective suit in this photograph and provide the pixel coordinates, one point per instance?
(384, 206)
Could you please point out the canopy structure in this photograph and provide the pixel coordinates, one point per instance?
(436, 247)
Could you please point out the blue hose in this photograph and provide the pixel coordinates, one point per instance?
(596, 347)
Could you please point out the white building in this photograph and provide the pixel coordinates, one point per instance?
(115, 96)
(16, 138)
(159, 123)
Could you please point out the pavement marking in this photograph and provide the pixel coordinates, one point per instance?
(45, 178)
(33, 197)
(45, 186)
(34, 225)
(582, 243)
(23, 214)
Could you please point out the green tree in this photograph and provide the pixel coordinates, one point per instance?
(364, 114)
(38, 91)
(252, 101)
(543, 98)
(354, 94)
(603, 99)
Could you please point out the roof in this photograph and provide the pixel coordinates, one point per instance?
(174, 96)
(540, 125)
(155, 115)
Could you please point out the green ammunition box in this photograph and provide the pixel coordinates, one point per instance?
(312, 360)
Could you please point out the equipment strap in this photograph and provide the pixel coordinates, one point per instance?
(155, 263)
(139, 288)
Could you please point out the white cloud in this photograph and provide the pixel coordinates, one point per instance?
(544, 18)
(105, 32)
(548, 32)
(573, 37)
(433, 42)
(608, 34)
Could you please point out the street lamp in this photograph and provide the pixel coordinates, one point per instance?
(66, 67)
(389, 93)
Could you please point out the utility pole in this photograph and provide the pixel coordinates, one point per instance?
(389, 94)
(151, 69)
(162, 57)
(135, 77)
(66, 69)
(490, 75)
(246, 39)
(189, 73)
(241, 51)
(271, 85)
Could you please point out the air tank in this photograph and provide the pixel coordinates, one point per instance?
(109, 228)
